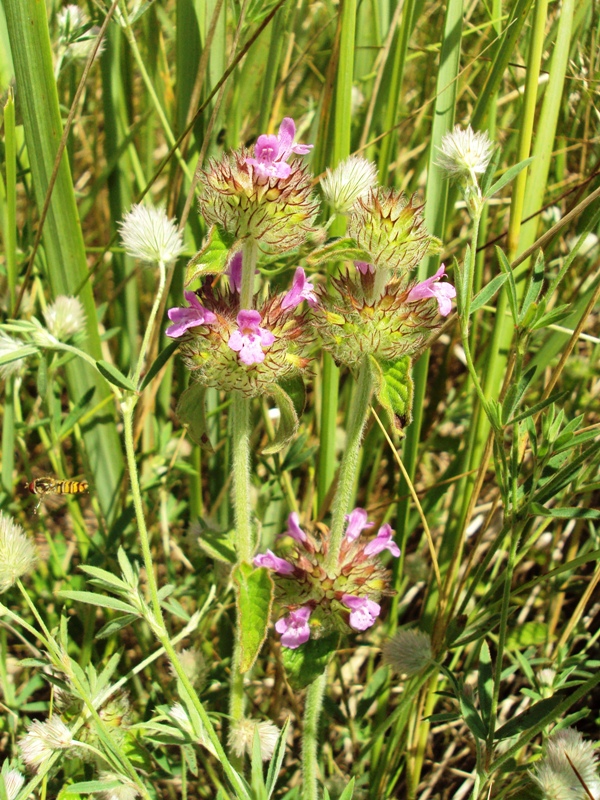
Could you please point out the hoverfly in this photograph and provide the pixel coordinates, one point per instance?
(49, 485)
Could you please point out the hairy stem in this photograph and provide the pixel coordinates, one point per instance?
(310, 740)
(356, 424)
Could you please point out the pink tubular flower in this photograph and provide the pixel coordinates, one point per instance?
(302, 289)
(272, 152)
(271, 561)
(357, 522)
(293, 529)
(443, 292)
(294, 629)
(250, 339)
(363, 612)
(383, 541)
(234, 272)
(364, 267)
(191, 317)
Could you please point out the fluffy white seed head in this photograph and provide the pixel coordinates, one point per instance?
(17, 552)
(180, 716)
(408, 652)
(148, 234)
(13, 780)
(556, 776)
(119, 788)
(193, 664)
(8, 347)
(65, 317)
(352, 178)
(43, 739)
(241, 737)
(465, 153)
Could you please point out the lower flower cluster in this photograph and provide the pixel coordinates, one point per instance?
(318, 601)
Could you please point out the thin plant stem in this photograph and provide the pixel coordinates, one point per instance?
(151, 319)
(356, 424)
(310, 739)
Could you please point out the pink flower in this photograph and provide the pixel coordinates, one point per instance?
(294, 629)
(302, 289)
(383, 541)
(271, 561)
(443, 292)
(250, 339)
(234, 272)
(272, 152)
(191, 317)
(357, 522)
(364, 267)
(293, 529)
(363, 612)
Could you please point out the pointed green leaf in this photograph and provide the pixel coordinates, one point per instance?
(115, 376)
(530, 718)
(254, 594)
(288, 421)
(394, 388)
(508, 176)
(191, 411)
(348, 791)
(488, 291)
(304, 664)
(217, 545)
(512, 286)
(212, 258)
(159, 363)
(103, 601)
(485, 683)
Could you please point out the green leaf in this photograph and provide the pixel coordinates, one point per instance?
(488, 291)
(394, 388)
(90, 598)
(159, 363)
(508, 177)
(528, 719)
(565, 513)
(348, 791)
(288, 420)
(530, 633)
(304, 664)
(471, 716)
(15, 355)
(485, 682)
(114, 376)
(534, 288)
(515, 393)
(254, 593)
(217, 545)
(116, 625)
(76, 413)
(191, 410)
(512, 286)
(212, 258)
(344, 249)
(277, 759)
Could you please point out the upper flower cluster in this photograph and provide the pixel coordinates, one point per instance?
(262, 196)
(319, 601)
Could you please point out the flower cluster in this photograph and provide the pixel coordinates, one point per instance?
(317, 601)
(246, 350)
(262, 196)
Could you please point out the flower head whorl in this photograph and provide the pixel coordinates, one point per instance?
(248, 350)
(262, 197)
(390, 228)
(314, 601)
(352, 323)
